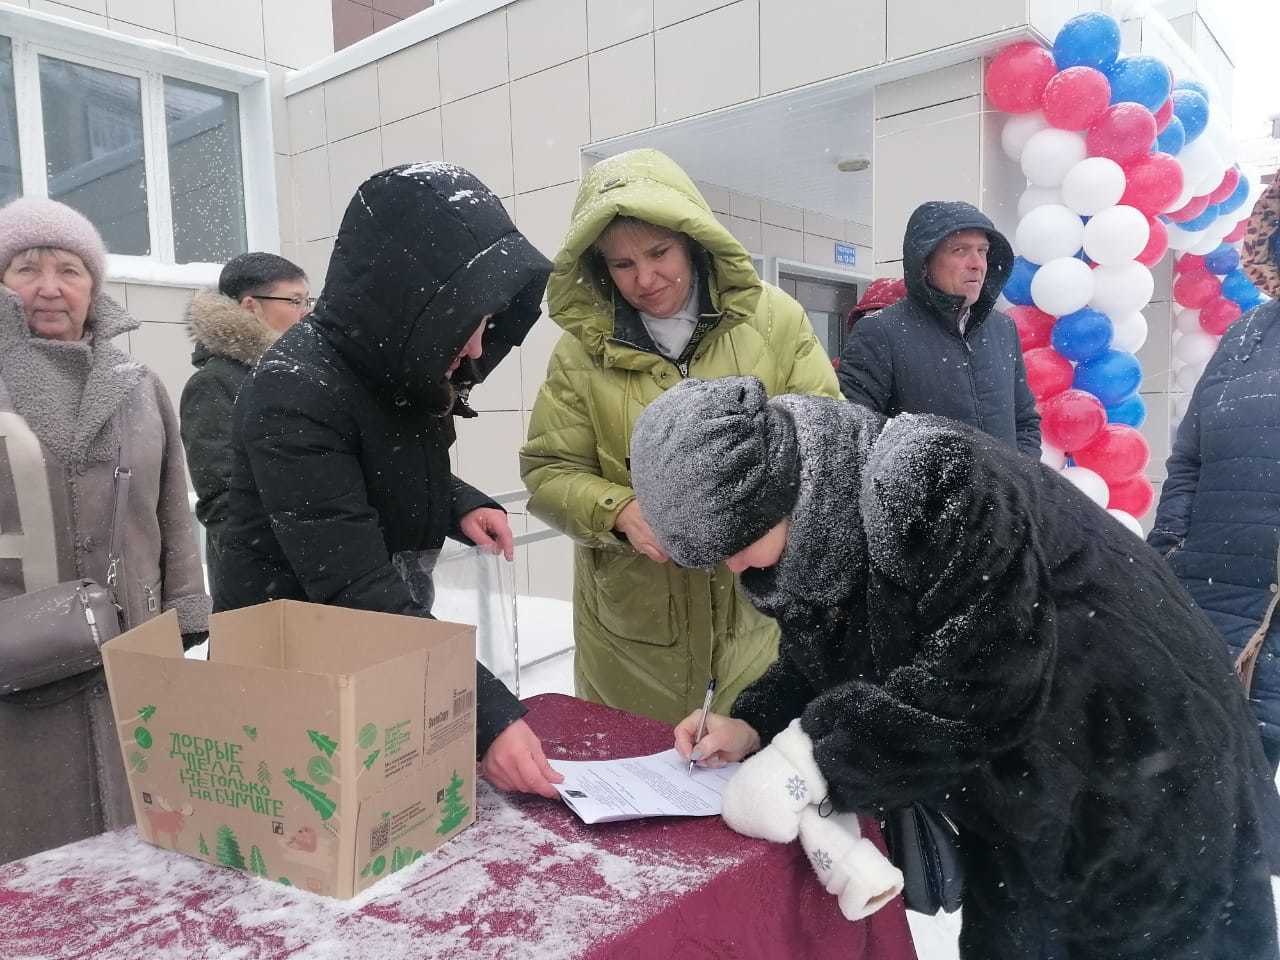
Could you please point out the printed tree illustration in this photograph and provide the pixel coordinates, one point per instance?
(318, 799)
(368, 761)
(322, 743)
(204, 847)
(256, 864)
(229, 854)
(141, 736)
(320, 770)
(264, 773)
(368, 736)
(455, 811)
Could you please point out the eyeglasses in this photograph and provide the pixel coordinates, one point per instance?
(302, 303)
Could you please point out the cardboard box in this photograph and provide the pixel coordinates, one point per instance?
(318, 746)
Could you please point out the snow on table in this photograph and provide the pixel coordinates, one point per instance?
(528, 880)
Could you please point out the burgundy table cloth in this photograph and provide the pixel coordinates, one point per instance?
(528, 880)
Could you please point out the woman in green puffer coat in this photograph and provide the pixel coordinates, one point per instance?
(650, 289)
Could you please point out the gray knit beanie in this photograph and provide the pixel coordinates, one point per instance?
(715, 466)
(34, 222)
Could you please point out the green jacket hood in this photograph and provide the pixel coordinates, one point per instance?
(650, 186)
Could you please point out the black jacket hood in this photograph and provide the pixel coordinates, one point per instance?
(424, 251)
(930, 224)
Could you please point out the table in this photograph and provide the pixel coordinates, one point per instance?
(529, 880)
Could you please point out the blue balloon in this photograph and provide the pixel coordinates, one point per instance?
(1193, 110)
(1110, 376)
(1222, 260)
(1081, 335)
(1017, 289)
(1132, 411)
(1140, 79)
(1248, 303)
(1237, 286)
(1195, 85)
(1087, 40)
(1172, 138)
(1235, 200)
(1201, 221)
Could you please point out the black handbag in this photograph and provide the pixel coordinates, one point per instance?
(925, 845)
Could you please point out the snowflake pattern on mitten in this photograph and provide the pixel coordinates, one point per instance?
(796, 787)
(821, 860)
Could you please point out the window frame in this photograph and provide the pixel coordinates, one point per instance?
(34, 34)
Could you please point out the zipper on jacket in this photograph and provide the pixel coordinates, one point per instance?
(153, 604)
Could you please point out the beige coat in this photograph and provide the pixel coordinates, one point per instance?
(61, 774)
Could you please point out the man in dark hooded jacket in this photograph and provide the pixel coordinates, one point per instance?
(962, 626)
(342, 433)
(944, 349)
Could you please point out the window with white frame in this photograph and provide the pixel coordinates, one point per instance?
(139, 140)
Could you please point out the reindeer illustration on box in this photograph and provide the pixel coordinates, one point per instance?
(167, 821)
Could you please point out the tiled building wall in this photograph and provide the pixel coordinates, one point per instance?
(353, 20)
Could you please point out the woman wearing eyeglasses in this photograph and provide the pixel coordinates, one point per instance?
(259, 297)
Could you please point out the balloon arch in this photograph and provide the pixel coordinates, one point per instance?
(1124, 163)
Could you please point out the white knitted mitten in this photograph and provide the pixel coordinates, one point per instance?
(766, 795)
(847, 863)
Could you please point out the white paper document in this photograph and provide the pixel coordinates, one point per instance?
(604, 791)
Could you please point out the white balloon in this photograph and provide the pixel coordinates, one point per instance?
(1121, 288)
(1130, 523)
(1034, 196)
(1180, 239)
(1050, 153)
(1200, 162)
(1049, 232)
(1222, 138)
(1129, 332)
(1188, 376)
(1052, 457)
(1018, 130)
(1195, 348)
(1187, 320)
(1092, 485)
(1207, 243)
(1225, 223)
(1062, 286)
(1092, 185)
(1116, 235)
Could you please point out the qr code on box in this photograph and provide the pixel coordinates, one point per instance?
(380, 836)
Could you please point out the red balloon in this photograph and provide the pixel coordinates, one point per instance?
(1048, 373)
(1157, 243)
(1034, 326)
(1164, 115)
(1071, 419)
(1076, 97)
(1124, 133)
(1195, 206)
(1115, 453)
(1196, 289)
(1134, 496)
(1218, 314)
(1230, 180)
(1190, 263)
(1237, 232)
(1018, 75)
(1152, 183)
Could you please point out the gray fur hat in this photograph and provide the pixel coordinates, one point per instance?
(715, 466)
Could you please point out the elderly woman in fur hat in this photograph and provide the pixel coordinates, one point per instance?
(76, 415)
(961, 626)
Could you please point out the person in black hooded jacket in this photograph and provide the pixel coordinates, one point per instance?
(342, 433)
(944, 349)
(962, 626)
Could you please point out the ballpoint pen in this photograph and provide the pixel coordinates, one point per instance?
(702, 721)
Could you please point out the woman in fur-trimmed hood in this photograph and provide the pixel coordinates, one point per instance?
(259, 297)
(73, 408)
